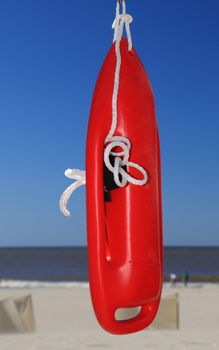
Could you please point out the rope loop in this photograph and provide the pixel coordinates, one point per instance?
(122, 160)
(120, 20)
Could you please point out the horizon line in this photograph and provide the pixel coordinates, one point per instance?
(85, 246)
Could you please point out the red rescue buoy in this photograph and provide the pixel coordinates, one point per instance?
(123, 190)
(124, 234)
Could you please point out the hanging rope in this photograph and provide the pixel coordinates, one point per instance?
(111, 141)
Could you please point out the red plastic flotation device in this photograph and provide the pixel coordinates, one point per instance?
(124, 225)
(123, 190)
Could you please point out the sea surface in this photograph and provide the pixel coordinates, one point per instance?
(70, 264)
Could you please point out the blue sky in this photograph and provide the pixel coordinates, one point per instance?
(50, 55)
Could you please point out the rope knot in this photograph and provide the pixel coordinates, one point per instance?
(126, 18)
(121, 161)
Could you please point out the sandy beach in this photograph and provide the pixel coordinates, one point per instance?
(65, 321)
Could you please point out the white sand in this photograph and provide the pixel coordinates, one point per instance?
(65, 321)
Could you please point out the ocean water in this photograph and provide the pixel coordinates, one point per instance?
(70, 264)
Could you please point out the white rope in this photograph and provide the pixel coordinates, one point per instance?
(79, 176)
(112, 141)
(121, 177)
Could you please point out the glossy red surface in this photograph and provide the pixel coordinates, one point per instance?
(124, 235)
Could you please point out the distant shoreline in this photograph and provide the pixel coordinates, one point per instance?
(193, 278)
(16, 283)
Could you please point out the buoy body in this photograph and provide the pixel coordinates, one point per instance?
(125, 234)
